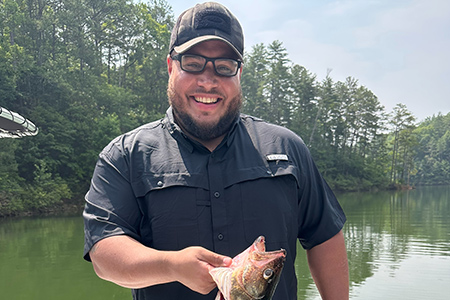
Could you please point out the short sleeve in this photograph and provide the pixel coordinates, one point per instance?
(320, 214)
(111, 207)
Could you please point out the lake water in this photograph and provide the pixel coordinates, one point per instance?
(398, 247)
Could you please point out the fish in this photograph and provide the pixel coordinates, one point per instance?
(253, 274)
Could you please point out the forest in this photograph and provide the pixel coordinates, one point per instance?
(85, 71)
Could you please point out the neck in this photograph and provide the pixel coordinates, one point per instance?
(211, 144)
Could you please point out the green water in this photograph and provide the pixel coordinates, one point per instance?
(398, 248)
(398, 245)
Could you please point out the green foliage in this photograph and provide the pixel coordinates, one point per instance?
(46, 189)
(10, 181)
(433, 152)
(403, 144)
(253, 81)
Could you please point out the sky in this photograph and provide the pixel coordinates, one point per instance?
(398, 49)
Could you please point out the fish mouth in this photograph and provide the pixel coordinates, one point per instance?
(260, 245)
(261, 257)
(276, 258)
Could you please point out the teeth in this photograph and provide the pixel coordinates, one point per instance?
(206, 100)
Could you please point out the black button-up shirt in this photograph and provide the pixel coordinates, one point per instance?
(169, 192)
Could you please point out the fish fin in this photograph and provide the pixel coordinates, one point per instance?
(222, 277)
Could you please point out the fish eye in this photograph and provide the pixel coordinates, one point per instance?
(267, 273)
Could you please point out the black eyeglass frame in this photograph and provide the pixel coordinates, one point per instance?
(179, 56)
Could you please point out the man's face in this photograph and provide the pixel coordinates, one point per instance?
(205, 104)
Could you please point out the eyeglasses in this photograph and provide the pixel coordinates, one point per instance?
(196, 64)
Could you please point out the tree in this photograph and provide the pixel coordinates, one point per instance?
(402, 122)
(254, 76)
(277, 85)
(433, 151)
(304, 101)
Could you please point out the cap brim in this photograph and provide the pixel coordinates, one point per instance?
(191, 43)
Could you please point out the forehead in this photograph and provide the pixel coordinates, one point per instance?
(213, 48)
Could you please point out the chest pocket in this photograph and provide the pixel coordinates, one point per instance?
(269, 205)
(175, 209)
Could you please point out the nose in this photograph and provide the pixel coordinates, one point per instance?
(208, 78)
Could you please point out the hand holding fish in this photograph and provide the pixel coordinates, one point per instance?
(128, 263)
(191, 267)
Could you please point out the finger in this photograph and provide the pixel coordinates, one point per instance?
(227, 261)
(215, 260)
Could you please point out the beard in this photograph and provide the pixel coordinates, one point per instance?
(203, 132)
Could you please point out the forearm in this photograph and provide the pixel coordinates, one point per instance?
(126, 262)
(329, 268)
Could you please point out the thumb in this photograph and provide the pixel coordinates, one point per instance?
(216, 260)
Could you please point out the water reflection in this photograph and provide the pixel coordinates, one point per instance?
(399, 241)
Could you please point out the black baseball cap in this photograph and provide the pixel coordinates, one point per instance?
(207, 21)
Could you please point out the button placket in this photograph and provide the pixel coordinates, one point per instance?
(218, 204)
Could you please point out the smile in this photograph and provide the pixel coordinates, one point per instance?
(206, 100)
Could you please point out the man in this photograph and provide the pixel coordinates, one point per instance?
(175, 198)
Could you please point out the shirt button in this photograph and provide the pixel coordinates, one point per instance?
(160, 183)
(216, 194)
(220, 236)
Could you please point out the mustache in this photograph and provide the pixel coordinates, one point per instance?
(213, 91)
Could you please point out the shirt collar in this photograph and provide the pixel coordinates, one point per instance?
(176, 131)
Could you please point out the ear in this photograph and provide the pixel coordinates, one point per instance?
(169, 64)
(240, 71)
